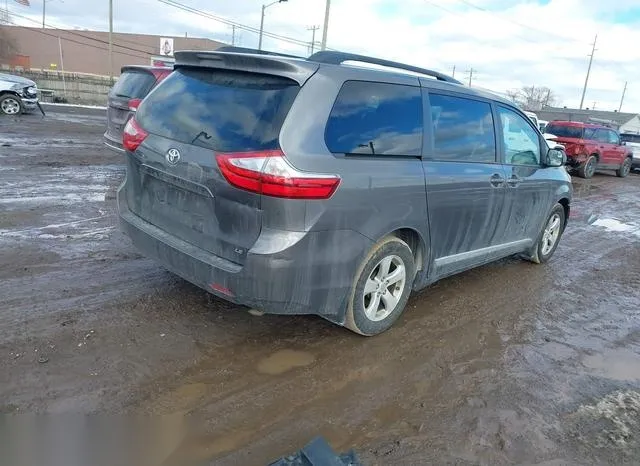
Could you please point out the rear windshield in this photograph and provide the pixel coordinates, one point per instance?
(633, 138)
(565, 131)
(227, 111)
(134, 84)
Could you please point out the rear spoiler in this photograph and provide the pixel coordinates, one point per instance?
(293, 68)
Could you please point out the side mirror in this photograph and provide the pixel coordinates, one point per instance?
(623, 143)
(556, 158)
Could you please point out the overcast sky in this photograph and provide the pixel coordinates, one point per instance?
(508, 43)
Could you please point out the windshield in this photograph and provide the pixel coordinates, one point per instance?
(133, 84)
(565, 131)
(228, 111)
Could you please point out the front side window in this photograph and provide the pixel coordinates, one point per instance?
(521, 141)
(376, 119)
(600, 135)
(462, 129)
(613, 137)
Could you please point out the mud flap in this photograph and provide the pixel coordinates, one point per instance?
(318, 453)
(41, 109)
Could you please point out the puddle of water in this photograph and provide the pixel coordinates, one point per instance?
(285, 360)
(615, 365)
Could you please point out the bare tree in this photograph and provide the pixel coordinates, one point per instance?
(532, 98)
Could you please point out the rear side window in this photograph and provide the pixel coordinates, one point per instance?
(227, 111)
(463, 129)
(134, 84)
(566, 131)
(376, 118)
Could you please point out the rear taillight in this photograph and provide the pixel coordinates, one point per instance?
(134, 104)
(133, 135)
(269, 173)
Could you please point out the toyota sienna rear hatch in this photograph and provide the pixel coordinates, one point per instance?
(197, 141)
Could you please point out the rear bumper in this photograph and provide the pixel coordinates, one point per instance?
(311, 274)
(113, 143)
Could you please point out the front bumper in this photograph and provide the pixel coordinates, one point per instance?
(29, 104)
(312, 274)
(576, 160)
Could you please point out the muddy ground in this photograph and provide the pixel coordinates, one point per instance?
(507, 364)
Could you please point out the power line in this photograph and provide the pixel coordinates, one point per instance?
(517, 23)
(41, 31)
(524, 38)
(75, 33)
(213, 17)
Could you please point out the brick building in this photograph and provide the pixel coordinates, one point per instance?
(84, 51)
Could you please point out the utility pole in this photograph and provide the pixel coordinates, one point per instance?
(624, 91)
(44, 10)
(233, 34)
(313, 30)
(470, 73)
(111, 41)
(454, 71)
(586, 80)
(325, 28)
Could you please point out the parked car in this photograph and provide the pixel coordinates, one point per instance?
(533, 118)
(307, 186)
(592, 147)
(17, 94)
(542, 124)
(134, 84)
(632, 141)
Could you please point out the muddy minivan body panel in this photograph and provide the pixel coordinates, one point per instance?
(301, 255)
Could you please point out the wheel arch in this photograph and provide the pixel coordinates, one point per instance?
(566, 205)
(416, 243)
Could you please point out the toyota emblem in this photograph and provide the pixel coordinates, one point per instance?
(173, 156)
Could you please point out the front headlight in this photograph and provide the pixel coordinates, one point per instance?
(32, 90)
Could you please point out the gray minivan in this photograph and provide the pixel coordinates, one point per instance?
(314, 186)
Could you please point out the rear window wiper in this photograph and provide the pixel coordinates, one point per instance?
(203, 134)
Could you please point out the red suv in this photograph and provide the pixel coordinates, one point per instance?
(591, 147)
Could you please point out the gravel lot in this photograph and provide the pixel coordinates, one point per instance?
(510, 363)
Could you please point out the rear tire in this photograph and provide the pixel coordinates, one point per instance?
(588, 168)
(550, 236)
(624, 169)
(381, 287)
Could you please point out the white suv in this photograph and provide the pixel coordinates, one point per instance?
(633, 141)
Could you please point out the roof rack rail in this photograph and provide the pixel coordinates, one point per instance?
(234, 49)
(337, 58)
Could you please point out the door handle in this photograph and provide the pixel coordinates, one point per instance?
(496, 180)
(514, 181)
